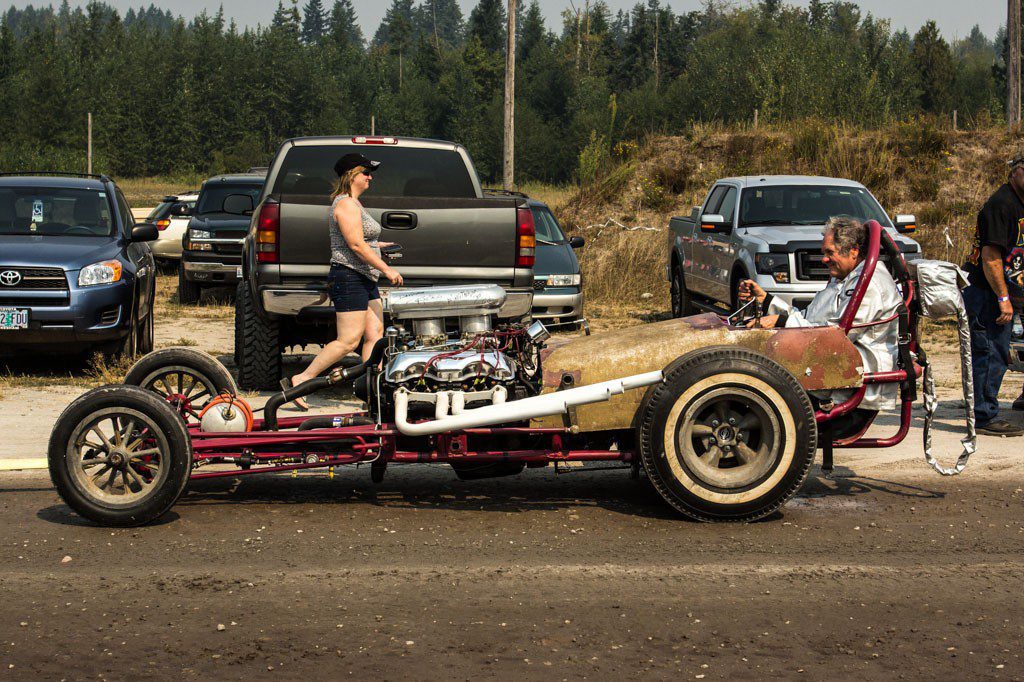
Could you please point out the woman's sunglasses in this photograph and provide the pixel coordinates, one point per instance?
(367, 172)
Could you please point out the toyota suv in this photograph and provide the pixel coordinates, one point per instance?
(76, 270)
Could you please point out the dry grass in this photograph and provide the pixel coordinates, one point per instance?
(150, 191)
(214, 304)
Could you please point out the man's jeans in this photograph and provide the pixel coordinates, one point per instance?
(990, 351)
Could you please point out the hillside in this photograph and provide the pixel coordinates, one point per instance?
(940, 175)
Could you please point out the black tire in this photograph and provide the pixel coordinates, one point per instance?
(257, 344)
(188, 292)
(186, 378)
(682, 305)
(125, 348)
(740, 430)
(144, 340)
(123, 488)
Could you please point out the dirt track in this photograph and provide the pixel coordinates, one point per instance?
(538, 577)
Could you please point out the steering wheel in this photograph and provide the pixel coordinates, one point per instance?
(79, 229)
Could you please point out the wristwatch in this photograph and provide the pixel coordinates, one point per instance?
(1002, 299)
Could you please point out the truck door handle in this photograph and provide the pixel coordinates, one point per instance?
(399, 220)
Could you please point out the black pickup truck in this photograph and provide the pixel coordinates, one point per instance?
(428, 199)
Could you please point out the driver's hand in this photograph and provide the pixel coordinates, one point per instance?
(765, 322)
(1005, 312)
(749, 289)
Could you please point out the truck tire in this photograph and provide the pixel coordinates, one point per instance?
(186, 378)
(257, 344)
(188, 292)
(682, 305)
(119, 456)
(729, 435)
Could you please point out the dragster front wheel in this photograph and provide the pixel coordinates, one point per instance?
(120, 456)
(729, 435)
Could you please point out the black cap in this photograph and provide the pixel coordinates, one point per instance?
(350, 161)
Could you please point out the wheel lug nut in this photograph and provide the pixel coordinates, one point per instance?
(732, 421)
(713, 441)
(714, 422)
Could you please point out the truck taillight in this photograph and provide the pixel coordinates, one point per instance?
(374, 140)
(268, 229)
(526, 239)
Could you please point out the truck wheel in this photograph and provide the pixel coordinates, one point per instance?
(257, 344)
(186, 378)
(728, 436)
(188, 292)
(681, 303)
(119, 456)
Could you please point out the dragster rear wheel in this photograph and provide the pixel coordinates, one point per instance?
(186, 378)
(120, 456)
(728, 436)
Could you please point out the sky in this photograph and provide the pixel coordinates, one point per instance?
(954, 17)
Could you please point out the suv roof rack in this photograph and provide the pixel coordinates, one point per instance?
(507, 192)
(59, 174)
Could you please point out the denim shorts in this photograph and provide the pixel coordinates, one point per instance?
(350, 291)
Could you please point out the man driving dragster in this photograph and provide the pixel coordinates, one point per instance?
(843, 250)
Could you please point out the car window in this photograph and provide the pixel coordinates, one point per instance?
(728, 207)
(404, 171)
(126, 211)
(715, 200)
(808, 205)
(55, 211)
(211, 200)
(160, 212)
(546, 226)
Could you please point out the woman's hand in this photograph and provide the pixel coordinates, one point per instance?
(749, 289)
(385, 244)
(393, 277)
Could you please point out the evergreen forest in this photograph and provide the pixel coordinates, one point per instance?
(172, 95)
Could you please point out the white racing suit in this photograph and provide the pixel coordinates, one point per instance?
(878, 345)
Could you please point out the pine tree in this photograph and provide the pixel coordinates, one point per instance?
(933, 63)
(441, 20)
(313, 22)
(487, 24)
(343, 26)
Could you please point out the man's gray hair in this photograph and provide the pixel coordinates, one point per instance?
(847, 233)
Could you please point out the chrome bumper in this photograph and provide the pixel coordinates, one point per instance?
(191, 266)
(293, 301)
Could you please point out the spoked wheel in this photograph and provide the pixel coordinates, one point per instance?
(728, 436)
(120, 456)
(186, 378)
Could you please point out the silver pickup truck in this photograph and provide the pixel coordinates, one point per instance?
(769, 229)
(428, 199)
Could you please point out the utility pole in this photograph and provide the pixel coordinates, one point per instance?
(508, 167)
(1013, 63)
(88, 153)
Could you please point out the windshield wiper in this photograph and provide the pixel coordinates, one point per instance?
(545, 241)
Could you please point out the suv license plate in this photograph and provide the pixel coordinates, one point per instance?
(14, 318)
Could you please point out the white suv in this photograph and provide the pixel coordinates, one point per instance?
(171, 219)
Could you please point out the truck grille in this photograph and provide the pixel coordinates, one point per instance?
(35, 302)
(36, 278)
(809, 266)
(538, 284)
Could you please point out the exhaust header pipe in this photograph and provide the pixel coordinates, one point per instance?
(545, 405)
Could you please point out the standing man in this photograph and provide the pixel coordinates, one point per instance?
(998, 240)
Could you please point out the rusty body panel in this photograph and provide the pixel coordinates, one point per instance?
(821, 358)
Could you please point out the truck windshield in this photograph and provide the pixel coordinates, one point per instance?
(55, 211)
(404, 171)
(807, 205)
(211, 200)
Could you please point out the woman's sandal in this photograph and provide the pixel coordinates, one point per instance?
(286, 384)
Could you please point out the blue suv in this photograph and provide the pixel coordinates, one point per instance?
(76, 271)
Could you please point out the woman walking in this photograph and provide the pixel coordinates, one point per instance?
(356, 264)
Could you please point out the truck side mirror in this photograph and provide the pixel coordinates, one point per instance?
(906, 224)
(577, 242)
(238, 204)
(711, 222)
(181, 209)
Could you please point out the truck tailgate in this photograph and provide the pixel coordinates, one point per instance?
(474, 239)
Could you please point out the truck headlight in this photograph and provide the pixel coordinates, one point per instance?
(774, 264)
(100, 273)
(200, 234)
(563, 281)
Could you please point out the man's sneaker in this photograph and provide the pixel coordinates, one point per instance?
(1018, 404)
(1000, 427)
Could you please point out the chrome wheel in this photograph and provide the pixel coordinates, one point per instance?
(729, 438)
(118, 456)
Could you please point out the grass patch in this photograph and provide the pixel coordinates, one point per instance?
(216, 303)
(148, 192)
